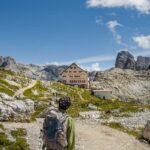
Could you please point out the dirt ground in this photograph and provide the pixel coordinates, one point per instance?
(89, 136)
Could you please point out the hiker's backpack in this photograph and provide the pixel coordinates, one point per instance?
(54, 131)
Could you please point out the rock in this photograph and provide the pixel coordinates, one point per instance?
(5, 96)
(91, 106)
(15, 110)
(92, 115)
(125, 60)
(143, 63)
(115, 111)
(146, 132)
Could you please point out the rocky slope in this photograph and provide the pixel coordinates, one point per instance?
(127, 85)
(47, 72)
(125, 60)
(14, 109)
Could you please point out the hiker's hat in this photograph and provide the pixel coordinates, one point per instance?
(64, 102)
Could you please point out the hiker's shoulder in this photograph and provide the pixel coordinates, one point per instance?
(70, 119)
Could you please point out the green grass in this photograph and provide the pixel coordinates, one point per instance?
(19, 144)
(4, 140)
(18, 132)
(4, 73)
(10, 86)
(39, 88)
(6, 91)
(2, 127)
(38, 110)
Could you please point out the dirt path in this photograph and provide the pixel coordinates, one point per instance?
(97, 137)
(79, 93)
(89, 136)
(19, 93)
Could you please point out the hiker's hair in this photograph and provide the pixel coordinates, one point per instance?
(64, 102)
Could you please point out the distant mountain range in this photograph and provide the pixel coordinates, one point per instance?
(124, 60)
(47, 72)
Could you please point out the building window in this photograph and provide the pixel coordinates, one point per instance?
(77, 76)
(83, 81)
(74, 67)
(64, 76)
(74, 71)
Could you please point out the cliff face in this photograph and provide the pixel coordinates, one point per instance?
(125, 60)
(143, 63)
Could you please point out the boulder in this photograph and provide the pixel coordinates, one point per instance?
(146, 132)
(15, 110)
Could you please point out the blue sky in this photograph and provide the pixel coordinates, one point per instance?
(89, 32)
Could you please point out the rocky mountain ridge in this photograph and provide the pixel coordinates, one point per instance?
(126, 84)
(125, 60)
(47, 72)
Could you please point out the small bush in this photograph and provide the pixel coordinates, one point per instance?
(18, 132)
(20, 144)
(3, 139)
(39, 109)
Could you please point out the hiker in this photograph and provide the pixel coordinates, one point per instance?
(58, 128)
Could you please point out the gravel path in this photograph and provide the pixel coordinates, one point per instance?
(89, 136)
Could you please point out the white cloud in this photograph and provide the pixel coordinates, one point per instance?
(91, 67)
(142, 41)
(95, 67)
(99, 20)
(112, 25)
(86, 60)
(142, 6)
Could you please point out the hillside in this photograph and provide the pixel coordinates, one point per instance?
(126, 84)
